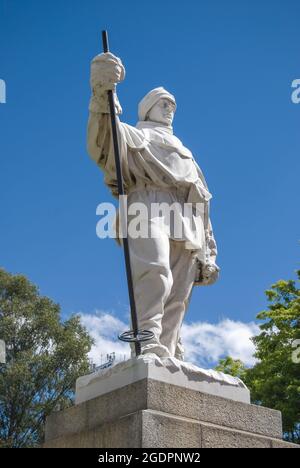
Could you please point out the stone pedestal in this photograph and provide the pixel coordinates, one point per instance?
(149, 412)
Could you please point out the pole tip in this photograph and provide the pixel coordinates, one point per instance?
(105, 40)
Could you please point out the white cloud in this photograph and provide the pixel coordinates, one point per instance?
(104, 329)
(204, 343)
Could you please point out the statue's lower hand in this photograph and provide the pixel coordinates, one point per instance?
(206, 274)
(210, 273)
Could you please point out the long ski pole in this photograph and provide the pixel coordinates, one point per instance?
(135, 335)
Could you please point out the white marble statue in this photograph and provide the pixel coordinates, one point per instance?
(156, 168)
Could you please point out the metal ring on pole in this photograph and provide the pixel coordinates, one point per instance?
(130, 337)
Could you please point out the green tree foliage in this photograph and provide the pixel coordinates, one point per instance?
(233, 367)
(44, 358)
(274, 381)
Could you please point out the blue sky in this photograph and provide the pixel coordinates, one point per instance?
(230, 65)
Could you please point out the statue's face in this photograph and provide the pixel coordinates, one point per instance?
(163, 112)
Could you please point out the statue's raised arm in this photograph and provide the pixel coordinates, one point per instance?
(106, 71)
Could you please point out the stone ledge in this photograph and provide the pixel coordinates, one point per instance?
(158, 396)
(153, 429)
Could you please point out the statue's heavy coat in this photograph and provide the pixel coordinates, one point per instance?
(158, 169)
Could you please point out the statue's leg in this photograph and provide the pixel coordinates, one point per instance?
(152, 280)
(183, 266)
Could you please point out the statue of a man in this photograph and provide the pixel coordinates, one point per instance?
(157, 169)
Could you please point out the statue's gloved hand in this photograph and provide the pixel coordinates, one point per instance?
(106, 71)
(210, 273)
(207, 273)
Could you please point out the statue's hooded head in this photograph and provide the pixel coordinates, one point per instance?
(158, 106)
